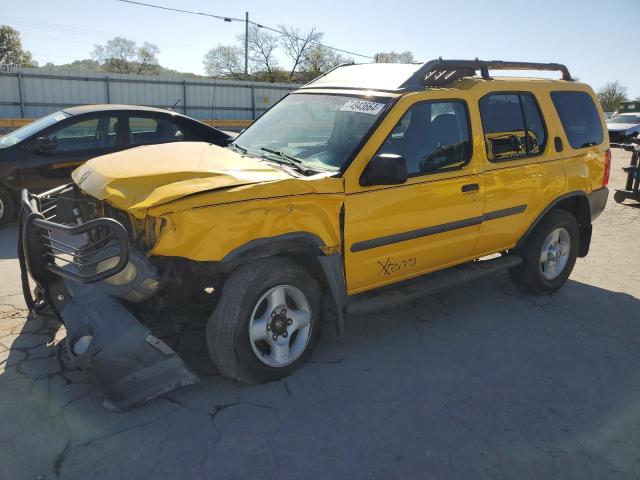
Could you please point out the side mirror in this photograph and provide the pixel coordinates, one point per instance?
(385, 169)
(45, 144)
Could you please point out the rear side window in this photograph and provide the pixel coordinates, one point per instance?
(150, 130)
(512, 124)
(579, 118)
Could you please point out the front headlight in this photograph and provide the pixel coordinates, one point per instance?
(126, 276)
(138, 280)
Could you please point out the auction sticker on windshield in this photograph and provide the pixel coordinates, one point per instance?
(362, 106)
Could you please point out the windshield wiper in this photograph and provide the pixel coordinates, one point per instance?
(281, 154)
(288, 160)
(238, 147)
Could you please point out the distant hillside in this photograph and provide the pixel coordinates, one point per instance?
(89, 65)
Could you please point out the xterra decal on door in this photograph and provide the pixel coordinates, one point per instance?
(390, 266)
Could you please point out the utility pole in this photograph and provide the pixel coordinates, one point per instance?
(246, 44)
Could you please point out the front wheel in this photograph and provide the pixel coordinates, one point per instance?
(549, 254)
(266, 323)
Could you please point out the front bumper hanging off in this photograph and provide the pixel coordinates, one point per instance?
(104, 339)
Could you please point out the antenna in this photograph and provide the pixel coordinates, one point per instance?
(172, 107)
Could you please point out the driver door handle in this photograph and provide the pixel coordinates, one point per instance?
(470, 187)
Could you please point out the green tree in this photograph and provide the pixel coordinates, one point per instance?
(611, 94)
(225, 61)
(393, 57)
(319, 59)
(11, 51)
(121, 55)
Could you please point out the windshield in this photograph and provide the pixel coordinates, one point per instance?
(319, 131)
(625, 119)
(30, 129)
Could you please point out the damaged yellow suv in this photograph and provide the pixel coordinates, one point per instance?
(370, 179)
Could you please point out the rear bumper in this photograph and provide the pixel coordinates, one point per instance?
(597, 201)
(104, 338)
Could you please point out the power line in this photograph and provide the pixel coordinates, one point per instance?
(233, 19)
(30, 24)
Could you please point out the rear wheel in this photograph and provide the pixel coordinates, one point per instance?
(7, 206)
(266, 323)
(549, 254)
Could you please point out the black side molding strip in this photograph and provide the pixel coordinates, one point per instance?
(445, 227)
(505, 212)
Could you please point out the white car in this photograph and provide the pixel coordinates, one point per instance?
(623, 126)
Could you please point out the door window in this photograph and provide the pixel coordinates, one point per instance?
(432, 137)
(513, 126)
(150, 130)
(86, 134)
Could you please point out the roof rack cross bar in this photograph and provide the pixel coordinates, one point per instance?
(440, 72)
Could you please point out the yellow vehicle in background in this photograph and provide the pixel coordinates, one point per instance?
(370, 179)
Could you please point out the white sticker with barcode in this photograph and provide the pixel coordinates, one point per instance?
(362, 106)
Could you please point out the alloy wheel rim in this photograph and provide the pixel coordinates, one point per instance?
(555, 253)
(280, 326)
(1, 208)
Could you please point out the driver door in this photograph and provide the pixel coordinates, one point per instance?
(74, 141)
(429, 222)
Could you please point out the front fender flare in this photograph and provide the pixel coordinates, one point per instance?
(332, 266)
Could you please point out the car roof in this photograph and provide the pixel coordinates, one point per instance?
(366, 76)
(80, 109)
(405, 77)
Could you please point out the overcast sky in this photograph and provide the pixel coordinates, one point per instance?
(598, 42)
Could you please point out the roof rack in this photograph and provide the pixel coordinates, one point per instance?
(437, 73)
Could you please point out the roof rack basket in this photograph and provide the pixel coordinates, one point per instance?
(437, 73)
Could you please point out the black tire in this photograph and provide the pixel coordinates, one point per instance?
(228, 338)
(7, 206)
(528, 274)
(619, 197)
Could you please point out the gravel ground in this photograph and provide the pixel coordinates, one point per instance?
(481, 381)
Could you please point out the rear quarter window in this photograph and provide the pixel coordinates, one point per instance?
(579, 117)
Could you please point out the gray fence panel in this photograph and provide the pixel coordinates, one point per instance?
(10, 93)
(45, 91)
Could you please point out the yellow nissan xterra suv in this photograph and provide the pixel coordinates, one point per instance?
(370, 179)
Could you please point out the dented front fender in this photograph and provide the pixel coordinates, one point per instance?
(209, 233)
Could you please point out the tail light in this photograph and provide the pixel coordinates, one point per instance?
(607, 167)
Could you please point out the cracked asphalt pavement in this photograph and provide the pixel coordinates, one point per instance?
(480, 381)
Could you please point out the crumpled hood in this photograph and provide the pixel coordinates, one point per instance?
(142, 177)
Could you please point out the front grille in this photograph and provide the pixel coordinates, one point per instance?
(66, 235)
(68, 205)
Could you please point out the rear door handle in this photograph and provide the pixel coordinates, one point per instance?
(470, 187)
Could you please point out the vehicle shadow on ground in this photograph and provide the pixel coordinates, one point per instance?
(9, 241)
(488, 380)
